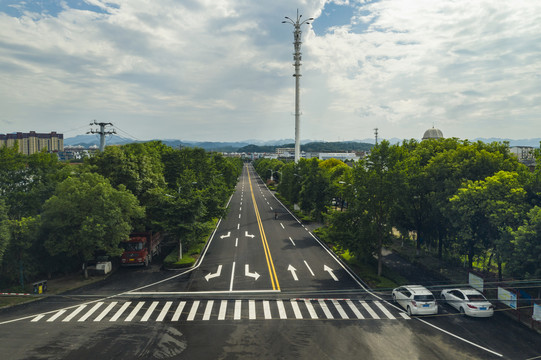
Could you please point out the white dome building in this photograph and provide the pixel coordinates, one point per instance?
(433, 134)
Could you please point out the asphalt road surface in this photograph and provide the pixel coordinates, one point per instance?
(264, 288)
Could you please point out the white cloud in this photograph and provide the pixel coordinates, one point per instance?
(221, 70)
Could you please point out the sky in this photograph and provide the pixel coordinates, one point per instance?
(221, 70)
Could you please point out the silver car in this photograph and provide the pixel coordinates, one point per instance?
(468, 301)
(416, 299)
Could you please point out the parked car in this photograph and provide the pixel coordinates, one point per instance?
(416, 300)
(468, 301)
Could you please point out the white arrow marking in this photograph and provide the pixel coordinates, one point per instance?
(247, 272)
(328, 269)
(311, 272)
(216, 274)
(292, 269)
(290, 239)
(225, 236)
(248, 235)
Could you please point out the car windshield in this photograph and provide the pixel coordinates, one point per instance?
(476, 297)
(128, 246)
(424, 297)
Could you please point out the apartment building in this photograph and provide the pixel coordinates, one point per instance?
(32, 142)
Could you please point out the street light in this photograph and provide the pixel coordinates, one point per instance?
(297, 57)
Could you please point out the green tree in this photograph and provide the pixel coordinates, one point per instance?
(4, 230)
(525, 259)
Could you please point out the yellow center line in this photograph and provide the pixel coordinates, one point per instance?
(270, 264)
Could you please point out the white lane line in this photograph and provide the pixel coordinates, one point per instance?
(193, 311)
(296, 309)
(54, 317)
(240, 209)
(135, 311)
(281, 309)
(309, 269)
(232, 276)
(149, 311)
(74, 313)
(404, 315)
(369, 309)
(251, 309)
(239, 215)
(208, 310)
(178, 311)
(354, 309)
(120, 311)
(238, 307)
(384, 310)
(290, 239)
(282, 225)
(241, 204)
(310, 308)
(325, 309)
(223, 309)
(106, 311)
(271, 208)
(266, 310)
(340, 309)
(90, 312)
(238, 226)
(38, 318)
(237, 242)
(164, 311)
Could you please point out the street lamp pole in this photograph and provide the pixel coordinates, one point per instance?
(297, 57)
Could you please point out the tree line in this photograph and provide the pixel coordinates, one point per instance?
(462, 200)
(54, 216)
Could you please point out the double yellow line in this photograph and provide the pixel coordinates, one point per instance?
(270, 264)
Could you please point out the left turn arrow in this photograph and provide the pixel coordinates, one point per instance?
(216, 274)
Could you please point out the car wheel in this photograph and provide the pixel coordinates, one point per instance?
(462, 312)
(409, 311)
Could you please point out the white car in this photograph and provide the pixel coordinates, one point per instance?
(468, 301)
(416, 299)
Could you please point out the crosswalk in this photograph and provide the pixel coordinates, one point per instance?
(220, 310)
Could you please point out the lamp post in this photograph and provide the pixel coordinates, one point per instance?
(297, 57)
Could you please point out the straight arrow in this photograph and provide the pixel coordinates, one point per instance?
(330, 271)
(293, 272)
(247, 272)
(216, 274)
(225, 236)
(248, 235)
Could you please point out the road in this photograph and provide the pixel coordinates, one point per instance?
(263, 288)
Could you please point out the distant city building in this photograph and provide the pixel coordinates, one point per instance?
(433, 134)
(339, 156)
(525, 155)
(32, 142)
(285, 152)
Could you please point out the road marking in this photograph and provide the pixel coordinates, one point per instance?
(178, 311)
(266, 310)
(309, 269)
(290, 239)
(369, 309)
(232, 276)
(271, 208)
(384, 310)
(238, 308)
(281, 309)
(325, 309)
(135, 311)
(404, 315)
(354, 309)
(241, 204)
(293, 272)
(240, 209)
(237, 242)
(150, 310)
(38, 318)
(193, 311)
(239, 215)
(223, 309)
(216, 274)
(58, 314)
(208, 310)
(330, 271)
(251, 309)
(310, 308)
(247, 272)
(106, 311)
(238, 226)
(226, 236)
(296, 310)
(120, 311)
(90, 312)
(164, 311)
(249, 235)
(282, 225)
(74, 313)
(340, 309)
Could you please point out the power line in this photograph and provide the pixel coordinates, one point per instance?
(102, 132)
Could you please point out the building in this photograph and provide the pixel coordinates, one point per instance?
(32, 142)
(433, 134)
(525, 155)
(339, 156)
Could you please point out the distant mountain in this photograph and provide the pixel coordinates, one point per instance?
(312, 147)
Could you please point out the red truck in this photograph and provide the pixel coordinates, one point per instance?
(140, 248)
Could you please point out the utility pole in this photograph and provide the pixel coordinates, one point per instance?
(376, 133)
(297, 57)
(102, 132)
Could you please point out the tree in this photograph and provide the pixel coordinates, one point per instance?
(85, 215)
(4, 230)
(525, 258)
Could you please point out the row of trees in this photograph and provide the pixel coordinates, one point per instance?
(461, 199)
(55, 216)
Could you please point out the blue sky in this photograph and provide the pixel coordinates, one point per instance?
(220, 70)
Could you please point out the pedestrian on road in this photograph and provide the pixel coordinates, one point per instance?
(275, 215)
